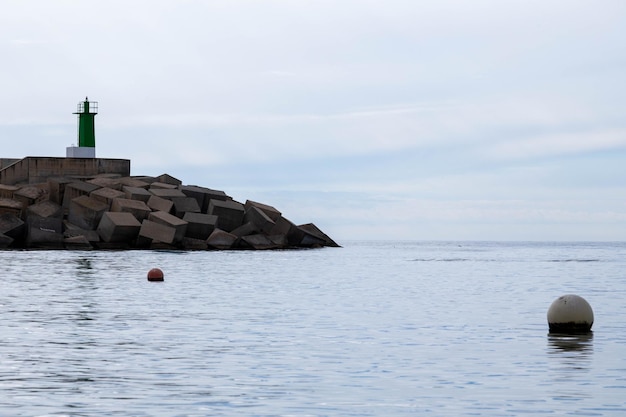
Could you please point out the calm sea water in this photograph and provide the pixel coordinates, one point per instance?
(370, 329)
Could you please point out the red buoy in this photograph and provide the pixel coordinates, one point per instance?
(155, 274)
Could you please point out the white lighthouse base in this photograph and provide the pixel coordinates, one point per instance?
(80, 152)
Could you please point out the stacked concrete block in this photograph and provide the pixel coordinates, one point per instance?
(289, 230)
(163, 186)
(6, 191)
(179, 225)
(86, 212)
(184, 205)
(133, 182)
(230, 213)
(10, 206)
(258, 242)
(107, 195)
(137, 193)
(245, 229)
(6, 241)
(313, 235)
(71, 231)
(279, 240)
(118, 227)
(119, 212)
(221, 240)
(160, 204)
(198, 193)
(56, 188)
(189, 243)
(28, 195)
(77, 243)
(269, 211)
(259, 218)
(12, 226)
(167, 193)
(155, 232)
(137, 208)
(199, 225)
(107, 182)
(168, 179)
(44, 232)
(45, 209)
(77, 189)
(145, 178)
(203, 195)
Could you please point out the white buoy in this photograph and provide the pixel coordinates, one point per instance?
(570, 313)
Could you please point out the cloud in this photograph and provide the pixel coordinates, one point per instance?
(550, 144)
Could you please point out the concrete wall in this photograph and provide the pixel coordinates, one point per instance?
(32, 170)
(5, 162)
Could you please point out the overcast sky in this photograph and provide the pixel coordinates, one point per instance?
(395, 119)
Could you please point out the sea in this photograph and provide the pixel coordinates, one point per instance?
(374, 328)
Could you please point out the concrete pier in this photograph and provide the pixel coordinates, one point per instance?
(54, 203)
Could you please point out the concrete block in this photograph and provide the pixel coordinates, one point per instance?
(189, 243)
(71, 230)
(77, 243)
(56, 188)
(6, 191)
(199, 225)
(168, 179)
(230, 213)
(203, 195)
(152, 231)
(258, 242)
(279, 240)
(86, 212)
(118, 227)
(10, 207)
(221, 239)
(285, 227)
(163, 186)
(77, 189)
(139, 209)
(259, 218)
(107, 182)
(50, 224)
(167, 219)
(160, 204)
(167, 193)
(107, 195)
(6, 241)
(45, 209)
(12, 226)
(134, 182)
(137, 193)
(245, 229)
(28, 195)
(44, 232)
(312, 231)
(184, 205)
(145, 178)
(270, 211)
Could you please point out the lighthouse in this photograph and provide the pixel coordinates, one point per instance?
(86, 148)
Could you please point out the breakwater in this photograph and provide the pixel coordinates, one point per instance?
(112, 211)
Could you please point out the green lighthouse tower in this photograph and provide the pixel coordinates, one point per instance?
(86, 148)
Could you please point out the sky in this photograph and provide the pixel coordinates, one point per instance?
(381, 120)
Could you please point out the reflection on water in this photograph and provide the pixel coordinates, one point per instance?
(83, 265)
(572, 355)
(581, 343)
